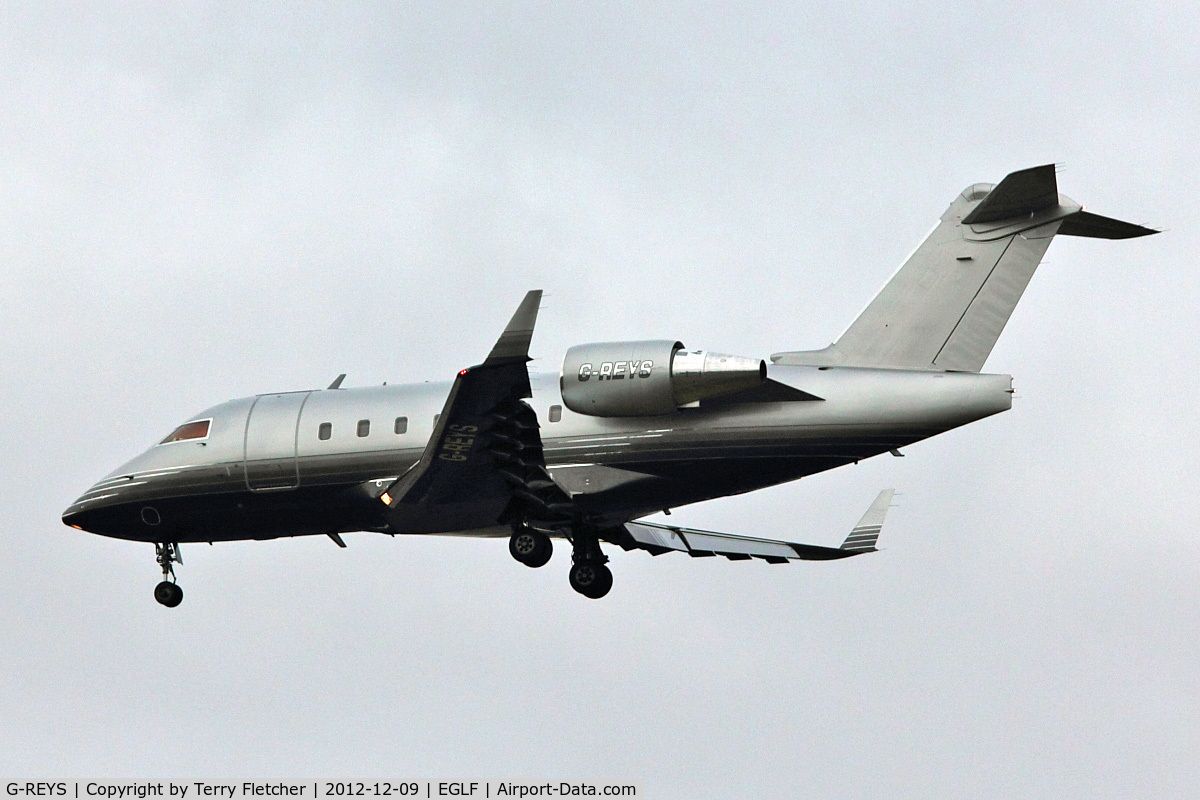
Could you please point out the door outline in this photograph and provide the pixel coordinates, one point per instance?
(260, 479)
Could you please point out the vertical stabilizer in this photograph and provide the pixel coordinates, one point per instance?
(947, 305)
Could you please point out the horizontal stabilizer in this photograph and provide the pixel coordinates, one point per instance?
(1094, 226)
(1020, 194)
(658, 539)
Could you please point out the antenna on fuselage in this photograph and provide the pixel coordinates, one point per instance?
(337, 382)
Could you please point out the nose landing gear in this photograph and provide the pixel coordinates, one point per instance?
(168, 592)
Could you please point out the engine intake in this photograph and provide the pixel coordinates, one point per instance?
(634, 379)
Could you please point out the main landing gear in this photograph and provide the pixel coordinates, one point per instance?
(168, 592)
(591, 579)
(589, 576)
(531, 547)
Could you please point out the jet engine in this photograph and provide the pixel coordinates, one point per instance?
(633, 379)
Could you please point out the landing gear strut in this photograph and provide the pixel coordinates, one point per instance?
(589, 575)
(168, 592)
(531, 547)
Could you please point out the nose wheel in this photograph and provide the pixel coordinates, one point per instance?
(168, 592)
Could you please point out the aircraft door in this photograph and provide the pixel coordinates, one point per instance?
(270, 452)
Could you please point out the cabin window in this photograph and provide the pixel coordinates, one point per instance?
(555, 413)
(401, 425)
(325, 431)
(188, 431)
(364, 427)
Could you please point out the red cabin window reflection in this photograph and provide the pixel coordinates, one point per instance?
(188, 430)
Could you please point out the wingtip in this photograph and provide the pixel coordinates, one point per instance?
(865, 534)
(513, 343)
(526, 313)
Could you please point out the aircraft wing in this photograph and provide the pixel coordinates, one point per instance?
(485, 453)
(658, 539)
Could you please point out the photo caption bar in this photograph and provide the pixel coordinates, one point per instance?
(319, 790)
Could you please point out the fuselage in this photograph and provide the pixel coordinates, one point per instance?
(316, 462)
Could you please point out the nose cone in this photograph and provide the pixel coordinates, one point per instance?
(105, 507)
(86, 515)
(110, 507)
(74, 518)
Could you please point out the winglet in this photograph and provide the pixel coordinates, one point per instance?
(513, 344)
(862, 539)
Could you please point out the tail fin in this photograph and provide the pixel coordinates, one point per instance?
(946, 306)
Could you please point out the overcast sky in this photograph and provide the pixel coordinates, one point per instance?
(200, 202)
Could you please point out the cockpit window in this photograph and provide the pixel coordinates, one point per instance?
(189, 430)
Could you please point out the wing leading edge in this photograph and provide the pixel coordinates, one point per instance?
(658, 539)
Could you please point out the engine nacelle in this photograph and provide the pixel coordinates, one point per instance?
(634, 379)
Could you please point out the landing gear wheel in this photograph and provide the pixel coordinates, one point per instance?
(591, 579)
(169, 594)
(532, 548)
